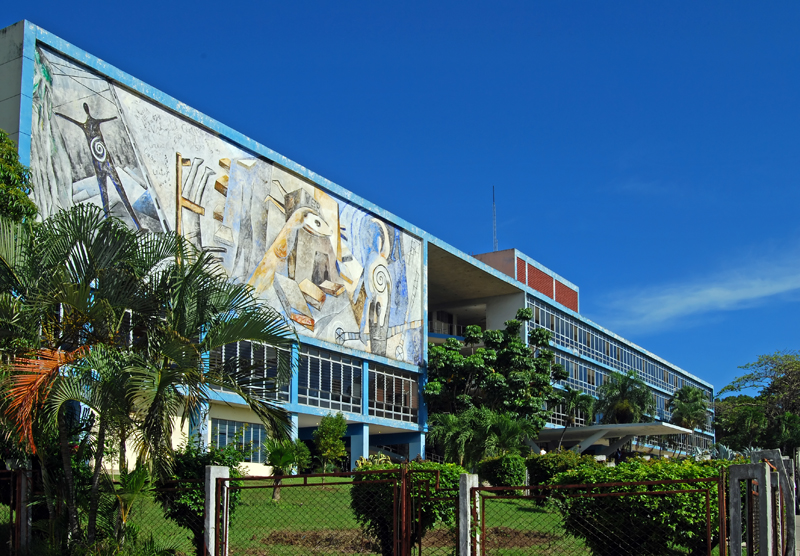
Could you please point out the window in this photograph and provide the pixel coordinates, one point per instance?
(249, 436)
(393, 394)
(329, 380)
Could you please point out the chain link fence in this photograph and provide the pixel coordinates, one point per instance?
(622, 519)
(311, 514)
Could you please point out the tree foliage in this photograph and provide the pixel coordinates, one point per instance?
(373, 498)
(505, 375)
(573, 401)
(769, 418)
(119, 321)
(15, 184)
(328, 439)
(636, 525)
(625, 398)
(183, 496)
(485, 401)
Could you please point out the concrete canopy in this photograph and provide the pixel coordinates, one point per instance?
(453, 279)
(583, 438)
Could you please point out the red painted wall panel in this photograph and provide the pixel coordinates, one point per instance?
(566, 296)
(540, 281)
(521, 270)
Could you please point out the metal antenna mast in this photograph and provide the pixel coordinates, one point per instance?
(494, 221)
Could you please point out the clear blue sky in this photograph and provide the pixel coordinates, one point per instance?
(649, 152)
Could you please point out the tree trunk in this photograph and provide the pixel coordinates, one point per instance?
(561, 438)
(94, 494)
(276, 490)
(66, 461)
(123, 455)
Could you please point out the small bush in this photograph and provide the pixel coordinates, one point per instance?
(641, 525)
(186, 504)
(505, 470)
(542, 468)
(373, 503)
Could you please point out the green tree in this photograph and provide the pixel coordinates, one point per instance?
(184, 498)
(328, 439)
(689, 406)
(625, 398)
(574, 401)
(126, 319)
(15, 184)
(770, 417)
(285, 456)
(473, 392)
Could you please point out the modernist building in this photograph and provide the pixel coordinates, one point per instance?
(365, 289)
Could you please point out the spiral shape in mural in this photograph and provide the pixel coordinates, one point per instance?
(380, 279)
(98, 149)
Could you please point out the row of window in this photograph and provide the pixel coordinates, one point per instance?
(573, 334)
(327, 380)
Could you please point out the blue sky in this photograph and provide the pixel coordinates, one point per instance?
(649, 152)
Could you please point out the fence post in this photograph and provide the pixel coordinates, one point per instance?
(213, 472)
(466, 483)
(24, 518)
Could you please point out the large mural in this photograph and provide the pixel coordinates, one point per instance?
(340, 273)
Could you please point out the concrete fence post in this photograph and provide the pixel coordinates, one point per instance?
(466, 483)
(213, 472)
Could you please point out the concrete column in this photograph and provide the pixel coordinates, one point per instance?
(416, 446)
(214, 472)
(757, 477)
(466, 483)
(294, 433)
(198, 425)
(294, 382)
(359, 443)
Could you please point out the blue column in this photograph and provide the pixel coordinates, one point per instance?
(417, 446)
(365, 389)
(293, 434)
(359, 442)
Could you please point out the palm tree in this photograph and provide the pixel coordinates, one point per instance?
(452, 431)
(89, 284)
(573, 401)
(688, 405)
(500, 433)
(476, 433)
(625, 398)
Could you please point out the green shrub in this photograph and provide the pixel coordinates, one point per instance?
(641, 525)
(542, 468)
(373, 502)
(505, 470)
(186, 504)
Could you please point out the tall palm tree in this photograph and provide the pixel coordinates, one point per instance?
(89, 284)
(625, 398)
(688, 405)
(572, 402)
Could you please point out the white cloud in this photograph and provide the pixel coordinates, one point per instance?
(661, 307)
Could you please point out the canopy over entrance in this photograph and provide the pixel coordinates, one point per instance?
(606, 439)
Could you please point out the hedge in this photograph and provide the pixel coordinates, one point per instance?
(641, 525)
(505, 470)
(373, 503)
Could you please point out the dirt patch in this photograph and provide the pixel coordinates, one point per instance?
(506, 537)
(325, 541)
(438, 538)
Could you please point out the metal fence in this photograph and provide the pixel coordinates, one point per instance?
(619, 519)
(393, 512)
